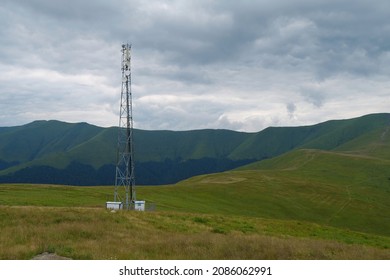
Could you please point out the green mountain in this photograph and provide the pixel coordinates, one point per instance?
(83, 154)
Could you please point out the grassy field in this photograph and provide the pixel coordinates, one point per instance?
(95, 233)
(307, 204)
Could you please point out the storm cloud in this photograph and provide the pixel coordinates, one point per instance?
(241, 65)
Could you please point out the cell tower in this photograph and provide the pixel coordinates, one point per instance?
(124, 174)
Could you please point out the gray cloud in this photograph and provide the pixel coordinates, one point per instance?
(291, 108)
(314, 95)
(242, 65)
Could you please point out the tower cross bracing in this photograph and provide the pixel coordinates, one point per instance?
(124, 174)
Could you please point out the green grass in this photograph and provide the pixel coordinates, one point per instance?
(345, 190)
(87, 233)
(322, 187)
(54, 195)
(308, 204)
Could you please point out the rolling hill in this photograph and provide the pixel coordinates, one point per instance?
(83, 154)
(348, 187)
(304, 204)
(320, 192)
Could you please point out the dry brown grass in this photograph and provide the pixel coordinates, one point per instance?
(99, 234)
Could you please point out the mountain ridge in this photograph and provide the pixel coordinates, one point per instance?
(164, 156)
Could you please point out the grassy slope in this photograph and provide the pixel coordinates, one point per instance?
(195, 144)
(328, 135)
(307, 204)
(44, 143)
(56, 144)
(324, 187)
(88, 233)
(347, 187)
(37, 139)
(340, 190)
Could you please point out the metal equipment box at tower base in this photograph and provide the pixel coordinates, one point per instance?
(114, 205)
(139, 205)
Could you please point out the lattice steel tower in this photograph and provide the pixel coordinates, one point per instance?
(124, 174)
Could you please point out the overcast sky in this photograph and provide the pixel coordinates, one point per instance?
(241, 65)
